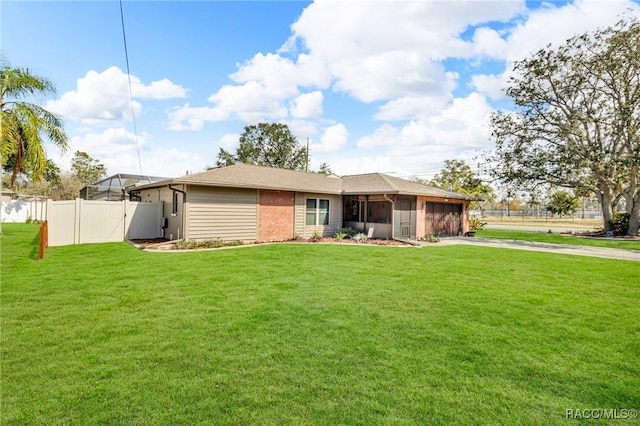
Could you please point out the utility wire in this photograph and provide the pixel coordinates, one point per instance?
(133, 113)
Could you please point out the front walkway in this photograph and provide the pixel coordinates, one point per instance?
(608, 253)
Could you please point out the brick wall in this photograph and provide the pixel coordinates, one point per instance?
(276, 216)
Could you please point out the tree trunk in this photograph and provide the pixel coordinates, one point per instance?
(605, 197)
(634, 217)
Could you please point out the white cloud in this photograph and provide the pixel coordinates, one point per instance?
(333, 139)
(557, 23)
(229, 141)
(281, 76)
(302, 129)
(307, 105)
(384, 135)
(373, 51)
(488, 42)
(265, 84)
(407, 108)
(457, 131)
(490, 85)
(117, 149)
(394, 55)
(250, 102)
(550, 24)
(161, 89)
(104, 97)
(385, 50)
(187, 117)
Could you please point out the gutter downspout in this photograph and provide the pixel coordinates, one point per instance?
(393, 213)
(364, 214)
(184, 202)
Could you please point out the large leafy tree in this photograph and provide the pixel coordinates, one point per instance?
(458, 176)
(88, 170)
(266, 144)
(576, 122)
(24, 124)
(66, 186)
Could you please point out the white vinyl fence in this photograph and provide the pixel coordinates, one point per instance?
(21, 210)
(84, 221)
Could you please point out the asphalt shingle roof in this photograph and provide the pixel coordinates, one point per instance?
(378, 183)
(259, 177)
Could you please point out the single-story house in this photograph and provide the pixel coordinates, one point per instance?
(255, 203)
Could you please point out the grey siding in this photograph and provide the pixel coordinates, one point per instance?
(227, 213)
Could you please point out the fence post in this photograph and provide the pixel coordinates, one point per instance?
(77, 237)
(43, 241)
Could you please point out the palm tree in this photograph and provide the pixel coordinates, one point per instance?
(23, 124)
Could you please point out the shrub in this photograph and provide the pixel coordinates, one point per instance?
(619, 223)
(29, 220)
(430, 238)
(476, 224)
(340, 236)
(211, 243)
(182, 245)
(317, 236)
(349, 232)
(562, 203)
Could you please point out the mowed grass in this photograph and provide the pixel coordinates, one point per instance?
(313, 334)
(554, 238)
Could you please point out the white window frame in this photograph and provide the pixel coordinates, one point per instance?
(174, 204)
(317, 211)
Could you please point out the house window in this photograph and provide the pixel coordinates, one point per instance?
(174, 207)
(317, 212)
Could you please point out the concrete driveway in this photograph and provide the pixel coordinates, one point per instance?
(555, 228)
(608, 253)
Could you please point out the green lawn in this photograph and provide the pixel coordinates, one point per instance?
(313, 334)
(545, 237)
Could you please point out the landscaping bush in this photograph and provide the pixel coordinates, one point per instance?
(317, 236)
(211, 243)
(476, 224)
(339, 236)
(349, 232)
(430, 238)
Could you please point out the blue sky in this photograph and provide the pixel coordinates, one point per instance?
(375, 85)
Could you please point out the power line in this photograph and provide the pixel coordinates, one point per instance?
(133, 113)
